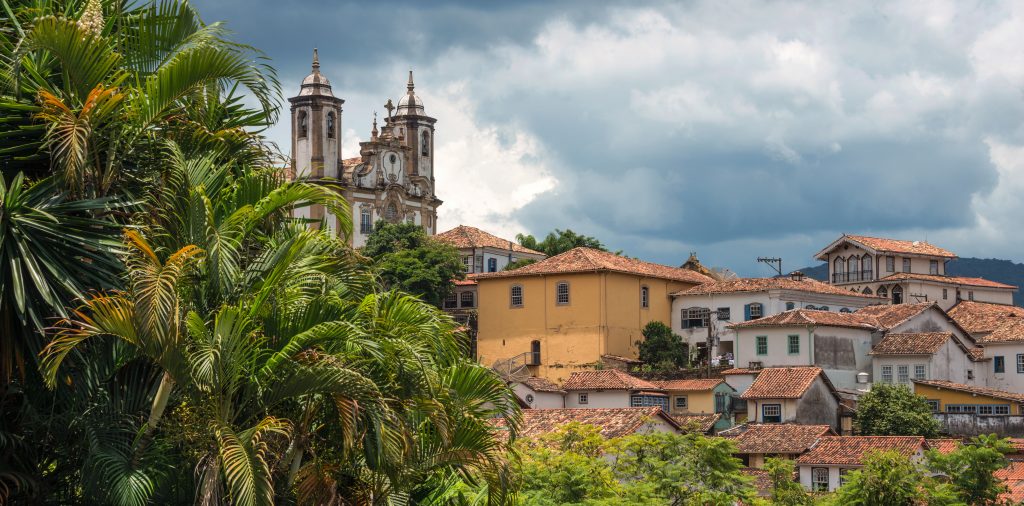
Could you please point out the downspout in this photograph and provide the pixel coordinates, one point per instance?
(810, 345)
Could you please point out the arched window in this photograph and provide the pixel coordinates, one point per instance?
(645, 297)
(562, 293)
(535, 353)
(883, 292)
(838, 268)
(391, 212)
(492, 265)
(852, 268)
(897, 294)
(303, 124)
(516, 296)
(867, 290)
(451, 301)
(365, 224)
(425, 144)
(866, 268)
(466, 299)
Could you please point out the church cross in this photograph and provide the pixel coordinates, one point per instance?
(390, 107)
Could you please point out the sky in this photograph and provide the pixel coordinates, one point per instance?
(726, 128)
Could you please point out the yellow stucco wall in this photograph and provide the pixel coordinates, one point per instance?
(604, 316)
(946, 396)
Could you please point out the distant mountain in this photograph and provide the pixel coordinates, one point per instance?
(1003, 271)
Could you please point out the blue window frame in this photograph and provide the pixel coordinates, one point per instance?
(492, 265)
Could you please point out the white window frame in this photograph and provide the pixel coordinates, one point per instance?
(463, 298)
(759, 310)
(560, 294)
(512, 296)
(776, 411)
(583, 399)
(933, 267)
(920, 371)
(645, 297)
(819, 479)
(886, 374)
(451, 301)
(683, 405)
(724, 314)
(903, 374)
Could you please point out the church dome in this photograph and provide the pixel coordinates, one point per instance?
(410, 104)
(316, 83)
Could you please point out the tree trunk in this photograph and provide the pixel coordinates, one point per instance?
(156, 412)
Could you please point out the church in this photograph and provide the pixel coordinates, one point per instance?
(392, 179)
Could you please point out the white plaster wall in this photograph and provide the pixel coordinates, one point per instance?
(739, 382)
(788, 409)
(598, 399)
(778, 350)
(332, 147)
(1010, 380)
(950, 363)
(541, 400)
(425, 165)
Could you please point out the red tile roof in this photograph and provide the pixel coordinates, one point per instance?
(955, 280)
(891, 315)
(542, 385)
(613, 422)
(703, 422)
(743, 285)
(850, 450)
(689, 385)
(944, 446)
(1013, 477)
(776, 437)
(911, 343)
(882, 245)
(607, 379)
(803, 317)
(592, 260)
(1008, 331)
(464, 282)
(978, 317)
(762, 480)
(782, 383)
(739, 370)
(972, 389)
(464, 236)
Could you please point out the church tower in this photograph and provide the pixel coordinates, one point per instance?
(415, 130)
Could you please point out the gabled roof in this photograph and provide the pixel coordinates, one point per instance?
(613, 422)
(882, 245)
(579, 260)
(689, 385)
(972, 389)
(1013, 476)
(954, 280)
(606, 379)
(464, 236)
(541, 385)
(913, 343)
(944, 445)
(702, 422)
(776, 437)
(784, 383)
(850, 450)
(978, 317)
(891, 315)
(804, 317)
(1009, 331)
(744, 285)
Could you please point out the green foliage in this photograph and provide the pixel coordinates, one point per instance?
(406, 259)
(785, 491)
(559, 241)
(662, 348)
(970, 468)
(893, 410)
(890, 479)
(522, 262)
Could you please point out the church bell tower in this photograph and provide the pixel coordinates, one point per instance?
(316, 128)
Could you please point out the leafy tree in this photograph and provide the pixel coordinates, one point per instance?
(559, 241)
(662, 348)
(785, 490)
(893, 410)
(565, 467)
(515, 264)
(971, 468)
(408, 260)
(890, 479)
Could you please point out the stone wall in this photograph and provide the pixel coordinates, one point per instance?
(966, 424)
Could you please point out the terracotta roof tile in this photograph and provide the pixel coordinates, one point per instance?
(911, 343)
(976, 354)
(762, 480)
(883, 245)
(944, 446)
(613, 422)
(464, 282)
(464, 236)
(802, 317)
(956, 280)
(1008, 331)
(606, 379)
(850, 450)
(689, 385)
(972, 389)
(776, 437)
(978, 317)
(703, 422)
(891, 315)
(782, 383)
(739, 370)
(743, 285)
(542, 385)
(590, 260)
(1013, 477)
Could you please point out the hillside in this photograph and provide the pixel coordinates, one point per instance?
(1003, 271)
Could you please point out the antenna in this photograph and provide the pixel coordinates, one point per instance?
(773, 262)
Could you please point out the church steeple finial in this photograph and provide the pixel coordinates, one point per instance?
(316, 62)
(410, 86)
(374, 132)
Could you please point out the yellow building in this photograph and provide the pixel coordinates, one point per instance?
(565, 313)
(949, 397)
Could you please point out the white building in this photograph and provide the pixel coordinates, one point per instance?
(539, 393)
(902, 357)
(484, 252)
(611, 388)
(999, 329)
(824, 467)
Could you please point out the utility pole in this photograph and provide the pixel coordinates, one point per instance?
(773, 262)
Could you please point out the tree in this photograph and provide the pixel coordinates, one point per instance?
(522, 262)
(408, 260)
(893, 410)
(559, 241)
(971, 468)
(890, 479)
(785, 491)
(662, 348)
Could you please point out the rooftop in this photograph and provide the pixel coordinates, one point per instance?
(891, 315)
(911, 343)
(464, 236)
(613, 422)
(691, 385)
(978, 317)
(703, 422)
(606, 379)
(592, 260)
(782, 382)
(743, 285)
(972, 389)
(1010, 330)
(542, 385)
(956, 280)
(944, 445)
(883, 245)
(802, 317)
(776, 437)
(850, 450)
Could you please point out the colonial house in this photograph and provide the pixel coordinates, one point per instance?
(563, 313)
(904, 356)
(824, 467)
(721, 303)
(539, 393)
(757, 442)
(802, 395)
(981, 318)
(484, 252)
(613, 422)
(904, 271)
(949, 397)
(611, 388)
(999, 329)
(700, 396)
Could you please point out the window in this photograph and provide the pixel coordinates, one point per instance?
(837, 267)
(886, 374)
(1020, 363)
(790, 306)
(970, 294)
(998, 364)
(794, 345)
(771, 413)
(640, 401)
(753, 311)
(562, 293)
(451, 301)
(867, 291)
(945, 294)
(851, 268)
(645, 297)
(819, 479)
(933, 267)
(303, 124)
(883, 292)
(391, 212)
(330, 125)
(903, 374)
(425, 144)
(897, 294)
(723, 314)
(682, 402)
(842, 476)
(970, 374)
(492, 265)
(865, 268)
(919, 371)
(465, 262)
(933, 404)
(365, 225)
(722, 402)
(466, 299)
(534, 353)
(890, 264)
(695, 317)
(516, 296)
(762, 345)
(583, 399)
(906, 265)
(1002, 409)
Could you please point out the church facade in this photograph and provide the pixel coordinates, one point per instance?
(391, 179)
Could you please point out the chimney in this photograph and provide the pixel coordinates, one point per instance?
(796, 276)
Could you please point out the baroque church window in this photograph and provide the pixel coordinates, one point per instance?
(365, 225)
(391, 212)
(425, 144)
(303, 124)
(330, 125)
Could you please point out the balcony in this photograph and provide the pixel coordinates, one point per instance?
(852, 276)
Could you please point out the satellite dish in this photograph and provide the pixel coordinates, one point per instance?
(512, 371)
